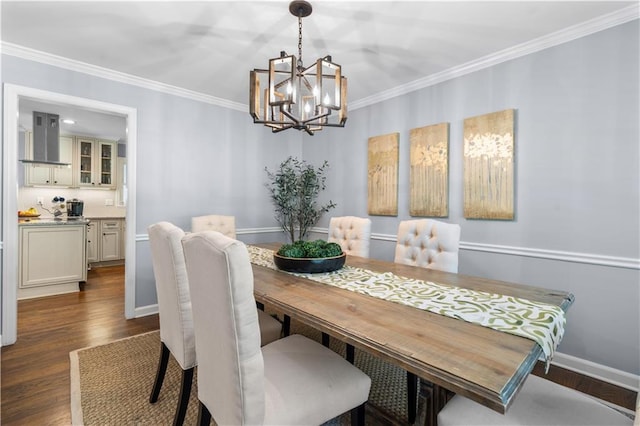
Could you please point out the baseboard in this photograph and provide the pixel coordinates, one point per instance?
(597, 371)
(145, 311)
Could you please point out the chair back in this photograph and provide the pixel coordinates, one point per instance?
(352, 233)
(429, 244)
(172, 288)
(231, 367)
(213, 222)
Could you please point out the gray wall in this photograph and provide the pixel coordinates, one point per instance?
(576, 159)
(193, 158)
(577, 184)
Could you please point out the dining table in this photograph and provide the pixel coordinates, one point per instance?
(486, 365)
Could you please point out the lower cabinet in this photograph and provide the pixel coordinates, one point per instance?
(110, 240)
(52, 259)
(105, 240)
(92, 241)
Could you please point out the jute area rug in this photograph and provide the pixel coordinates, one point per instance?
(110, 385)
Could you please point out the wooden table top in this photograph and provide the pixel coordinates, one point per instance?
(482, 364)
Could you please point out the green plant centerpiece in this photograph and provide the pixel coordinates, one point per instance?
(294, 188)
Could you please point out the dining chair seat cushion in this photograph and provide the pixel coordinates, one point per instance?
(270, 328)
(352, 233)
(226, 225)
(540, 402)
(429, 244)
(298, 370)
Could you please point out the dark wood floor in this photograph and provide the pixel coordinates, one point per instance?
(35, 370)
(35, 384)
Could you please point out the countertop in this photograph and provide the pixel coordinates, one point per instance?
(49, 221)
(104, 217)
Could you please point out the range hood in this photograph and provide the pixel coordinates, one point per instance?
(46, 140)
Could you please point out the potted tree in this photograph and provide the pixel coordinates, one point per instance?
(294, 188)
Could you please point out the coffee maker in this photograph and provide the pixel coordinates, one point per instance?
(74, 208)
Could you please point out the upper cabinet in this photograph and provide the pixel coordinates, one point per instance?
(42, 174)
(93, 164)
(96, 163)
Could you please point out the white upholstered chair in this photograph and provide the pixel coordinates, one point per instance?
(214, 222)
(174, 306)
(352, 233)
(291, 381)
(429, 244)
(540, 402)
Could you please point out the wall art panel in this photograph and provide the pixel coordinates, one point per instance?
(429, 172)
(489, 166)
(383, 175)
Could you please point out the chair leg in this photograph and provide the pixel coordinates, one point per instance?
(204, 416)
(286, 325)
(357, 416)
(183, 399)
(412, 393)
(162, 369)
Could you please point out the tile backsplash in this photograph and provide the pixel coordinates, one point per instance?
(97, 202)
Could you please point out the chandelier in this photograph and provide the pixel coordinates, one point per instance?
(288, 95)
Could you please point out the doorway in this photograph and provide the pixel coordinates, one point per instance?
(10, 259)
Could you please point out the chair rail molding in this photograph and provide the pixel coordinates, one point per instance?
(564, 256)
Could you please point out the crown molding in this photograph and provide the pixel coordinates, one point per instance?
(109, 74)
(604, 22)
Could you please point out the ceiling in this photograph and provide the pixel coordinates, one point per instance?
(86, 122)
(210, 46)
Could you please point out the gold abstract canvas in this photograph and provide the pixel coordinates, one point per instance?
(383, 175)
(489, 166)
(429, 173)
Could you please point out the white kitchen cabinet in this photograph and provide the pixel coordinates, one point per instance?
(95, 163)
(52, 259)
(105, 241)
(110, 239)
(47, 175)
(123, 238)
(92, 241)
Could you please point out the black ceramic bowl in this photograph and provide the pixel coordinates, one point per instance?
(309, 265)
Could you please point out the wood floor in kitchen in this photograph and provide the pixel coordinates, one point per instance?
(35, 387)
(35, 370)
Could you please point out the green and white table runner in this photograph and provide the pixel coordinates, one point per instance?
(540, 322)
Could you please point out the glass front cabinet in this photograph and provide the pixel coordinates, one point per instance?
(97, 163)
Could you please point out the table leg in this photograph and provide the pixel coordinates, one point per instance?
(286, 325)
(325, 339)
(412, 395)
(351, 354)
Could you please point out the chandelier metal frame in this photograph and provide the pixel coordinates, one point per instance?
(296, 97)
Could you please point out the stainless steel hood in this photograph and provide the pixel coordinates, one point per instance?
(46, 140)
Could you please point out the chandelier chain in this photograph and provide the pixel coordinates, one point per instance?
(300, 39)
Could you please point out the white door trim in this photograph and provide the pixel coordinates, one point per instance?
(12, 95)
